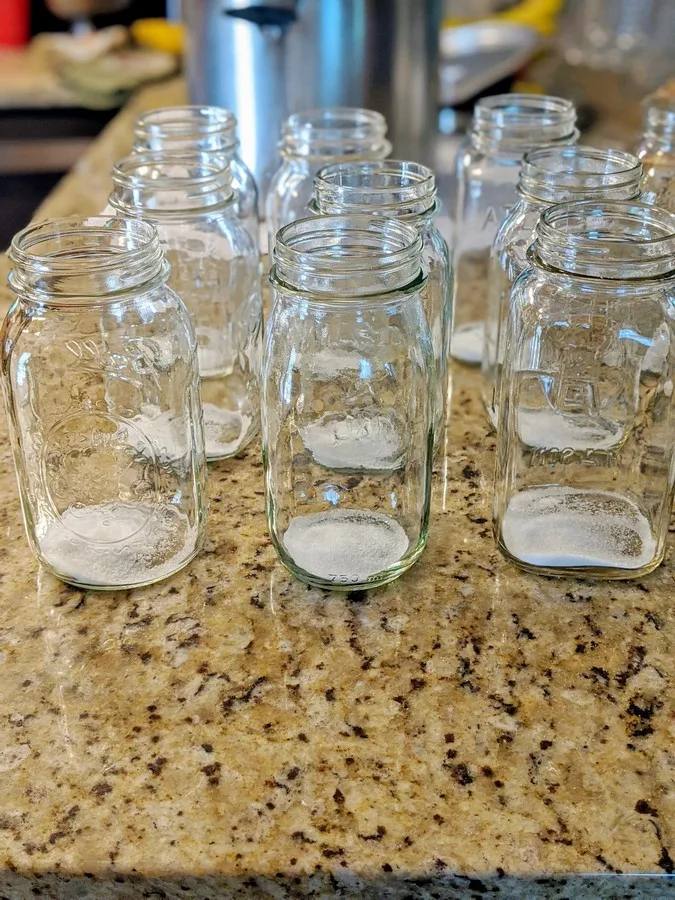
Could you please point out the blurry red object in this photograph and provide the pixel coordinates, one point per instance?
(14, 22)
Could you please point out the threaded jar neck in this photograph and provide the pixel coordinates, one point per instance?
(393, 188)
(92, 259)
(339, 258)
(659, 124)
(163, 184)
(186, 128)
(617, 241)
(335, 133)
(514, 123)
(568, 174)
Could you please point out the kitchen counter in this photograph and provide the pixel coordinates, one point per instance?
(467, 731)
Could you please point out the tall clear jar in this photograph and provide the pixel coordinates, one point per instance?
(347, 401)
(313, 139)
(586, 436)
(99, 375)
(504, 127)
(548, 176)
(657, 152)
(404, 191)
(206, 129)
(215, 271)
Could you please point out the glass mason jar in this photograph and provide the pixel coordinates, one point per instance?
(657, 153)
(215, 270)
(586, 436)
(504, 127)
(347, 401)
(311, 140)
(99, 374)
(548, 176)
(404, 191)
(207, 129)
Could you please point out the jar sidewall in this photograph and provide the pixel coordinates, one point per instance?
(36, 436)
(513, 476)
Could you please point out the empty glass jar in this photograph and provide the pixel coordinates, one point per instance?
(404, 191)
(548, 176)
(215, 271)
(586, 436)
(99, 374)
(657, 153)
(311, 140)
(347, 404)
(504, 127)
(208, 129)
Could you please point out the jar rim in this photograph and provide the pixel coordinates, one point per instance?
(400, 188)
(329, 120)
(195, 180)
(117, 254)
(182, 121)
(334, 131)
(548, 172)
(610, 239)
(321, 256)
(518, 122)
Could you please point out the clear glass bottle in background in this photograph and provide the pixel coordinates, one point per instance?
(311, 140)
(586, 434)
(404, 191)
(347, 401)
(99, 374)
(207, 129)
(657, 152)
(215, 271)
(504, 127)
(548, 176)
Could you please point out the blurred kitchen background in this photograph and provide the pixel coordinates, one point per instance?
(67, 66)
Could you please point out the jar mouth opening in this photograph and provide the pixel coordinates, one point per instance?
(82, 256)
(160, 181)
(336, 121)
(376, 179)
(605, 238)
(524, 110)
(185, 121)
(335, 131)
(548, 170)
(350, 254)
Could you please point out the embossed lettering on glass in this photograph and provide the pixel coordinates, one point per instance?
(504, 127)
(99, 374)
(548, 176)
(347, 404)
(657, 152)
(586, 433)
(207, 129)
(404, 191)
(215, 270)
(313, 139)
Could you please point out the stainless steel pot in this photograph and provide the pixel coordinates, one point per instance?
(266, 60)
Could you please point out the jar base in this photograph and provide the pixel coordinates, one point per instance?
(562, 530)
(596, 573)
(347, 549)
(83, 585)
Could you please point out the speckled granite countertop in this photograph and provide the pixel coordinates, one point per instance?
(467, 731)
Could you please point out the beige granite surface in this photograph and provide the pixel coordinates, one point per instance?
(468, 731)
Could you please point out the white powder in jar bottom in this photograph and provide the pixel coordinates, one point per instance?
(564, 527)
(225, 431)
(115, 545)
(350, 443)
(466, 343)
(345, 546)
(547, 428)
